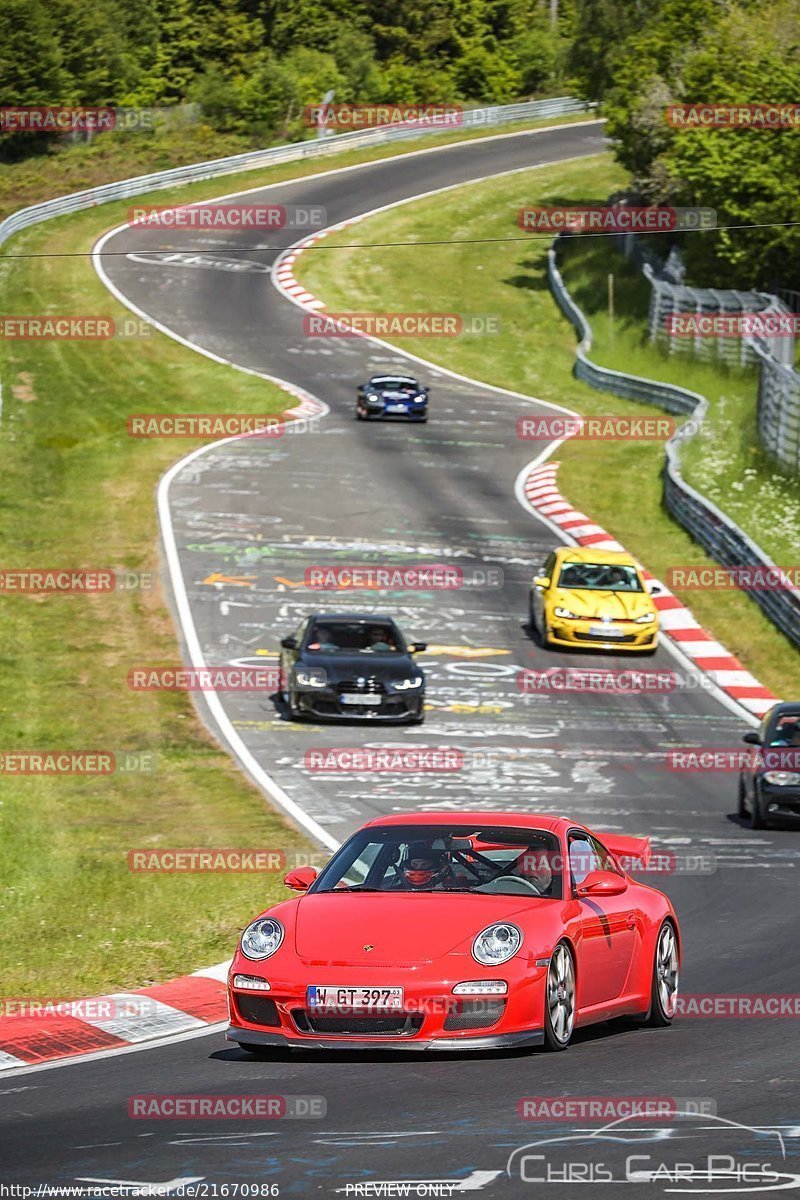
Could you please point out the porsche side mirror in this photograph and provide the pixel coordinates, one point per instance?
(654, 589)
(418, 647)
(289, 643)
(541, 581)
(602, 883)
(751, 737)
(300, 879)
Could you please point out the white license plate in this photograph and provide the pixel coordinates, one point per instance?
(606, 631)
(396, 408)
(354, 698)
(355, 997)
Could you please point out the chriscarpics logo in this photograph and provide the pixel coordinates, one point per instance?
(691, 1153)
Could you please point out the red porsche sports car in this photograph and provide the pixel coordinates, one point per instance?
(466, 932)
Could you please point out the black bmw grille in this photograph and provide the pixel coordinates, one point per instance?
(371, 686)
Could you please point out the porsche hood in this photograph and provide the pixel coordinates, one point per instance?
(399, 928)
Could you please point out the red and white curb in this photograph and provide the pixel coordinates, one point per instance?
(69, 1028)
(675, 619)
(283, 271)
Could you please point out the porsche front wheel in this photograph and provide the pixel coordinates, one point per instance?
(664, 993)
(559, 999)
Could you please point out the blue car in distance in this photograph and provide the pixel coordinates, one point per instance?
(392, 396)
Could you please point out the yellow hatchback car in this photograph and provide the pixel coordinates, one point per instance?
(587, 597)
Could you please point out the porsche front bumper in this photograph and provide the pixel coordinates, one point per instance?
(492, 1041)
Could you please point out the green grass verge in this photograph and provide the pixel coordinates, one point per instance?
(617, 483)
(76, 491)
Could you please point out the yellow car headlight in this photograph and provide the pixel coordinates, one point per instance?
(645, 619)
(566, 613)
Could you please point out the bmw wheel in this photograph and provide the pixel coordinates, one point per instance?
(559, 997)
(664, 993)
(741, 807)
(756, 812)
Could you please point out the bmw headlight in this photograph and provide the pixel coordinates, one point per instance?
(420, 399)
(645, 619)
(262, 938)
(565, 612)
(406, 685)
(373, 399)
(782, 778)
(496, 944)
(311, 677)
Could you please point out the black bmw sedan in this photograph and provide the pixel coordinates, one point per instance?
(341, 666)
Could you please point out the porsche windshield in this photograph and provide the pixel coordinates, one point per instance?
(614, 577)
(427, 858)
(396, 385)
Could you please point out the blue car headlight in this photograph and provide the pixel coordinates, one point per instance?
(407, 685)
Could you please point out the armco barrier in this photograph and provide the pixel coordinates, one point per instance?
(707, 524)
(473, 118)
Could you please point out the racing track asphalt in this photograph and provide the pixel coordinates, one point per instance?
(344, 491)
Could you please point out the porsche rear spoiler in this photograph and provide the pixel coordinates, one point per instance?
(632, 853)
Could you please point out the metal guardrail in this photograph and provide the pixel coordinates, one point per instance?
(774, 356)
(473, 118)
(706, 523)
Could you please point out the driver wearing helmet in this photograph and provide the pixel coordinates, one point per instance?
(423, 869)
(535, 866)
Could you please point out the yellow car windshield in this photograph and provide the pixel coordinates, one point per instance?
(599, 577)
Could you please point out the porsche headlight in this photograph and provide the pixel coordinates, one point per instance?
(645, 619)
(782, 778)
(311, 677)
(565, 612)
(496, 944)
(373, 399)
(262, 938)
(405, 685)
